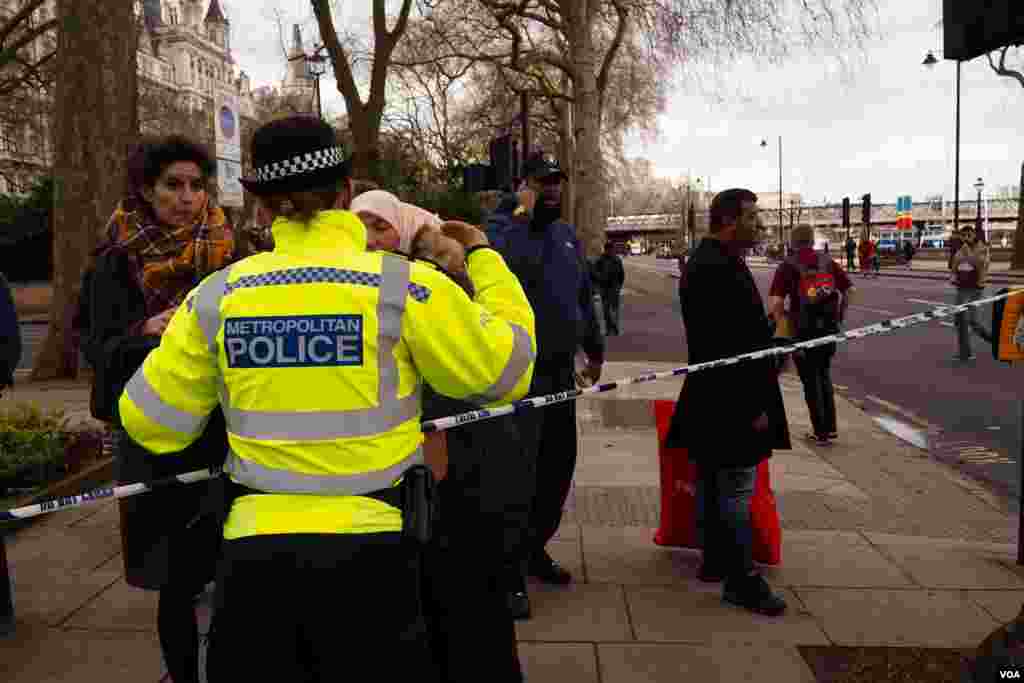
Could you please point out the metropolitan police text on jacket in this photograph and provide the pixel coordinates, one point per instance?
(294, 341)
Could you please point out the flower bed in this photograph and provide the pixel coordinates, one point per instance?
(38, 448)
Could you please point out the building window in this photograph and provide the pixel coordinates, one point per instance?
(7, 142)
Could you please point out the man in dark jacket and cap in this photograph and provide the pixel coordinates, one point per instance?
(730, 418)
(544, 253)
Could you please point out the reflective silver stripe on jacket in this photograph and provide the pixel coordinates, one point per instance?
(142, 394)
(207, 304)
(263, 478)
(264, 425)
(518, 363)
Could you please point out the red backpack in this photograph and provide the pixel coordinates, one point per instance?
(818, 312)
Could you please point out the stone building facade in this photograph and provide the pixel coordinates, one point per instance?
(184, 61)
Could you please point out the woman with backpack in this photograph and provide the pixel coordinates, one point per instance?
(818, 292)
(164, 237)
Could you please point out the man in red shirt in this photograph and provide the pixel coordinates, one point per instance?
(818, 293)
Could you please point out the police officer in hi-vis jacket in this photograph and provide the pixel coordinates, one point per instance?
(316, 352)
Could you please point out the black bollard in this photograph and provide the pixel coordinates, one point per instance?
(6, 597)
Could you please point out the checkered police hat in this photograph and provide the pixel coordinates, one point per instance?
(294, 154)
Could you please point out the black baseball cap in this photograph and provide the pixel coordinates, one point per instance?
(540, 167)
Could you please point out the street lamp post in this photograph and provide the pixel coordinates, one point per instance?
(316, 66)
(930, 61)
(764, 143)
(979, 186)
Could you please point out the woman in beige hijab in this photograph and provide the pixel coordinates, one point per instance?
(393, 225)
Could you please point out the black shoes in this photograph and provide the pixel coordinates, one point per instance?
(518, 604)
(819, 439)
(547, 570)
(753, 593)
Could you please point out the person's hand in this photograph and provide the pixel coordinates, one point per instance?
(467, 235)
(444, 251)
(761, 424)
(156, 325)
(527, 200)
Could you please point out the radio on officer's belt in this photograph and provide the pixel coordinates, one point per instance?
(1008, 328)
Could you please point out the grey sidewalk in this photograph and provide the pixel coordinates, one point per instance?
(881, 546)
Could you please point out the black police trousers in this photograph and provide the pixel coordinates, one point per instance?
(313, 608)
(549, 437)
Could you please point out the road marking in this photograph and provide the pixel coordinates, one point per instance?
(902, 411)
(943, 304)
(874, 310)
(946, 324)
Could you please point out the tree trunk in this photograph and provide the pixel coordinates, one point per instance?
(1018, 238)
(588, 175)
(567, 156)
(96, 121)
(365, 147)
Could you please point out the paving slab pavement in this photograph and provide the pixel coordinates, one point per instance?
(881, 546)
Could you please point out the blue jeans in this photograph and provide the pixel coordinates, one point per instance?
(967, 321)
(723, 518)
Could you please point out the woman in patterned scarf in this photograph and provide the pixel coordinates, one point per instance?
(162, 240)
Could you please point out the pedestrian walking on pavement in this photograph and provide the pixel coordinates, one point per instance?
(953, 247)
(729, 418)
(610, 276)
(908, 252)
(851, 251)
(317, 578)
(970, 276)
(163, 238)
(544, 253)
(10, 336)
(818, 293)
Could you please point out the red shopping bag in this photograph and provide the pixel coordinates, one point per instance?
(679, 497)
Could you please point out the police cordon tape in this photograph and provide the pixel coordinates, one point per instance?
(444, 423)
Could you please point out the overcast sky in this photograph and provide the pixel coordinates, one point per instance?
(883, 124)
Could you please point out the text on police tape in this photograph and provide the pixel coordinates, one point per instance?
(294, 341)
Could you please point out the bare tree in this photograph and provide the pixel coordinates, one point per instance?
(96, 120)
(364, 118)
(27, 48)
(582, 40)
(162, 111)
(997, 61)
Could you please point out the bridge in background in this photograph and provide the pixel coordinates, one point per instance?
(826, 220)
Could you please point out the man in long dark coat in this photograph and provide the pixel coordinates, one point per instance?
(730, 418)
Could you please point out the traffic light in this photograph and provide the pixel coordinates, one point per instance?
(846, 212)
(503, 161)
(866, 209)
